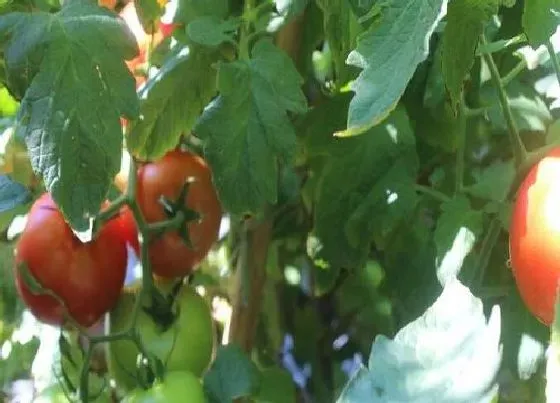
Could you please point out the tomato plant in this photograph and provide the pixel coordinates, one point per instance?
(176, 253)
(177, 386)
(83, 280)
(534, 234)
(185, 343)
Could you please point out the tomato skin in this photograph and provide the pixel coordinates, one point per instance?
(176, 387)
(87, 277)
(169, 255)
(534, 237)
(187, 345)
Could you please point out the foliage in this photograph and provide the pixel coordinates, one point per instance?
(367, 157)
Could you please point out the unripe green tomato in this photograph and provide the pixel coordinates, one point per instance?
(176, 387)
(187, 345)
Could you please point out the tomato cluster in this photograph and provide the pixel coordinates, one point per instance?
(62, 278)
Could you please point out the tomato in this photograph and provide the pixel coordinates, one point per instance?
(169, 253)
(176, 387)
(55, 394)
(86, 277)
(187, 345)
(535, 237)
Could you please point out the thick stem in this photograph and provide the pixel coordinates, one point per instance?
(519, 151)
(518, 69)
(435, 194)
(249, 282)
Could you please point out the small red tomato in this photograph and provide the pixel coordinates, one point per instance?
(169, 254)
(534, 240)
(86, 278)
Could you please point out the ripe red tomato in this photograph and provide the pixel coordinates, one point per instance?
(169, 254)
(86, 277)
(535, 237)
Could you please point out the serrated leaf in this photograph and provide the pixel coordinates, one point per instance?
(17, 365)
(246, 129)
(455, 214)
(388, 53)
(540, 20)
(70, 114)
(449, 354)
(363, 182)
(12, 194)
(232, 375)
(212, 31)
(188, 10)
(493, 182)
(171, 101)
(465, 21)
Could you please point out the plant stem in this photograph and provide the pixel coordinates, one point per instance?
(84, 375)
(249, 281)
(519, 151)
(461, 144)
(436, 194)
(554, 59)
(509, 77)
(488, 244)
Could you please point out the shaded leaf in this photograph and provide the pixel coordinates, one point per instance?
(493, 182)
(255, 98)
(12, 194)
(540, 20)
(171, 101)
(232, 375)
(465, 21)
(365, 190)
(211, 31)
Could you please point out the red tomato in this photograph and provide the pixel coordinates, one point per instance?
(170, 255)
(535, 237)
(86, 277)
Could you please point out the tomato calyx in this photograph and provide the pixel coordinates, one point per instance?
(162, 309)
(172, 209)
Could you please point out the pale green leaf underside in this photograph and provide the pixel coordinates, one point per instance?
(450, 354)
(388, 52)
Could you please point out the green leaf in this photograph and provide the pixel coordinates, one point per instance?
(17, 365)
(247, 130)
(276, 386)
(450, 344)
(493, 182)
(149, 13)
(455, 214)
(465, 21)
(341, 29)
(365, 190)
(171, 101)
(188, 10)
(529, 110)
(232, 375)
(388, 52)
(12, 194)
(70, 114)
(211, 31)
(540, 20)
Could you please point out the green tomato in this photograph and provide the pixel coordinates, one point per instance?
(55, 394)
(187, 345)
(176, 387)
